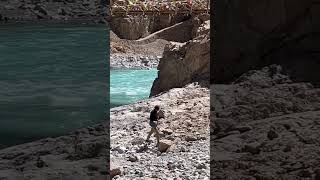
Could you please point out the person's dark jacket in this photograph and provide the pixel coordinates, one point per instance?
(154, 115)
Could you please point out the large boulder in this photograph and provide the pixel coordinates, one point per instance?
(252, 34)
(184, 63)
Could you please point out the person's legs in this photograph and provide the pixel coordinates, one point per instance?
(157, 135)
(150, 133)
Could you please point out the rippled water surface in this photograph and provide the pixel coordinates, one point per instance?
(128, 86)
(53, 79)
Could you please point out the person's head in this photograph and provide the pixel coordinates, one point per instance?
(157, 108)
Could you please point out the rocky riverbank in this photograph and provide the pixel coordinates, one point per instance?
(265, 126)
(83, 154)
(80, 155)
(184, 151)
(92, 11)
(133, 61)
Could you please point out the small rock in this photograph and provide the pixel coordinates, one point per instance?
(201, 166)
(133, 158)
(119, 149)
(171, 165)
(115, 172)
(40, 163)
(190, 138)
(243, 129)
(164, 145)
(167, 131)
(253, 148)
(272, 135)
(139, 172)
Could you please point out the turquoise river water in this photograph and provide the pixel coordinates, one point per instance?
(55, 79)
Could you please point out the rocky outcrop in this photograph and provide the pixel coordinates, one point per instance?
(183, 63)
(184, 137)
(139, 26)
(125, 53)
(265, 126)
(80, 155)
(253, 34)
(57, 11)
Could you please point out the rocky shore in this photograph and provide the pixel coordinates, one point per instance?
(133, 61)
(184, 147)
(80, 155)
(83, 154)
(265, 126)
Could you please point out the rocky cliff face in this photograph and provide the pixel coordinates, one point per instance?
(56, 10)
(265, 97)
(139, 26)
(186, 62)
(252, 34)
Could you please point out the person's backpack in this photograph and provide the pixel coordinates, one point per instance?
(161, 114)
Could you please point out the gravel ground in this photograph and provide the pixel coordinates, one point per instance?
(186, 127)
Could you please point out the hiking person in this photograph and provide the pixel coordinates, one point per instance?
(154, 117)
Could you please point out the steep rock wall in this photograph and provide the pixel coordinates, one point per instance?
(252, 34)
(139, 26)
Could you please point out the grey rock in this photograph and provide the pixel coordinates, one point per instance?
(133, 158)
